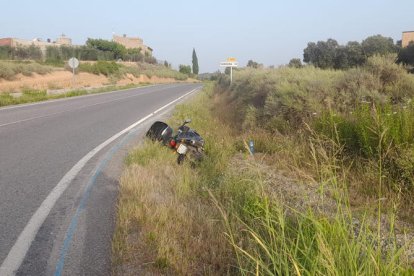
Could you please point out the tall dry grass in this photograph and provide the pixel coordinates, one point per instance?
(151, 70)
(237, 214)
(356, 107)
(161, 212)
(8, 70)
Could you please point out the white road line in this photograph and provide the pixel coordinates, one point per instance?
(82, 107)
(56, 113)
(17, 253)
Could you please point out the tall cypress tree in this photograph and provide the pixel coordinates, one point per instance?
(195, 63)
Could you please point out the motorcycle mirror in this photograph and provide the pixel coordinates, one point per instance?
(187, 121)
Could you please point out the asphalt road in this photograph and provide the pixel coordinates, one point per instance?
(39, 144)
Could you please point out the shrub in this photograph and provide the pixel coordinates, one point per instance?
(6, 99)
(6, 71)
(9, 69)
(368, 111)
(186, 217)
(152, 70)
(385, 68)
(100, 67)
(185, 69)
(5, 52)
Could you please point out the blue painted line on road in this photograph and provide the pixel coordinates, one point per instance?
(74, 222)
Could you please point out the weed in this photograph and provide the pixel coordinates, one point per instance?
(226, 215)
(151, 70)
(8, 70)
(100, 67)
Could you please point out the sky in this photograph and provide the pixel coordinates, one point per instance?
(268, 32)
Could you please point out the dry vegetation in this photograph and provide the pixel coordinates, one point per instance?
(9, 70)
(164, 226)
(32, 95)
(24, 82)
(328, 192)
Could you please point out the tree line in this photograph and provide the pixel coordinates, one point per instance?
(330, 54)
(95, 49)
(190, 70)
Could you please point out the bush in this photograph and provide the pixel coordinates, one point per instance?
(295, 62)
(299, 95)
(185, 69)
(25, 53)
(6, 99)
(186, 217)
(8, 70)
(100, 67)
(368, 111)
(6, 52)
(54, 62)
(151, 70)
(385, 68)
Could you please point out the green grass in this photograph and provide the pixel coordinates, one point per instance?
(224, 215)
(106, 68)
(29, 96)
(363, 109)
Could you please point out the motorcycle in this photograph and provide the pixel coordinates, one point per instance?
(186, 142)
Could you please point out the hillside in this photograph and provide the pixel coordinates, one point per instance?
(15, 76)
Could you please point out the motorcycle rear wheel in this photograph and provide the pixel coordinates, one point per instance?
(155, 131)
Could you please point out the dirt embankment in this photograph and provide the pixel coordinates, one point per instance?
(64, 80)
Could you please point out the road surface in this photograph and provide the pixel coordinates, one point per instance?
(57, 198)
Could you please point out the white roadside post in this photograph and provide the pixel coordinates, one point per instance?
(231, 62)
(73, 63)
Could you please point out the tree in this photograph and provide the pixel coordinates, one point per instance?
(195, 63)
(341, 59)
(34, 52)
(116, 49)
(310, 53)
(322, 54)
(252, 64)
(21, 53)
(133, 54)
(185, 69)
(295, 63)
(330, 54)
(355, 53)
(87, 53)
(378, 44)
(6, 52)
(406, 56)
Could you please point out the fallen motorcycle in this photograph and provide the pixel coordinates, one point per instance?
(186, 141)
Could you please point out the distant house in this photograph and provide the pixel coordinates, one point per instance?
(132, 43)
(17, 42)
(407, 37)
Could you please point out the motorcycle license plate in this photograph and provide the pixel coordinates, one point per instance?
(182, 149)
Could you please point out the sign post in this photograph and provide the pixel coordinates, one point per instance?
(73, 63)
(231, 62)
